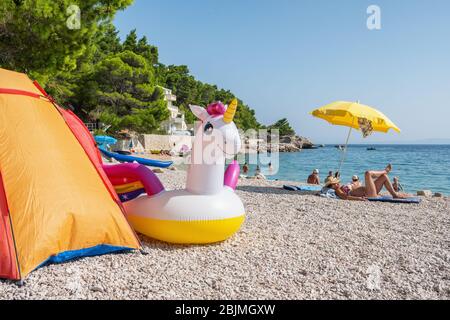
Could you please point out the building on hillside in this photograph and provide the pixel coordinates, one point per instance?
(176, 124)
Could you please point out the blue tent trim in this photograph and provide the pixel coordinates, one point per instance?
(82, 253)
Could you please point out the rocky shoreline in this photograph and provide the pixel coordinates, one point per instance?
(286, 144)
(164, 145)
(295, 144)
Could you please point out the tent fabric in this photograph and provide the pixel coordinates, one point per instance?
(56, 199)
(83, 135)
(89, 145)
(8, 263)
(17, 81)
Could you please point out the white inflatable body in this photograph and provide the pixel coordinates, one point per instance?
(208, 210)
(182, 217)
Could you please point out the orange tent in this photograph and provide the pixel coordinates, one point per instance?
(56, 202)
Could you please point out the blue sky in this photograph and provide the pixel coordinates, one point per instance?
(287, 57)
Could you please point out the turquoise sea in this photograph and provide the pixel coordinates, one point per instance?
(418, 166)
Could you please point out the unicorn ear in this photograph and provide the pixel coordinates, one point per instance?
(199, 112)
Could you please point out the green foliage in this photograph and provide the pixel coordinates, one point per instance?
(112, 120)
(107, 41)
(122, 89)
(35, 38)
(139, 120)
(100, 132)
(283, 126)
(141, 47)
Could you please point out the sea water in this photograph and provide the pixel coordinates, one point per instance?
(419, 167)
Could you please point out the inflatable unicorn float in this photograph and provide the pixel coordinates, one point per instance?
(207, 210)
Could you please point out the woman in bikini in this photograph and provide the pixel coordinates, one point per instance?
(375, 181)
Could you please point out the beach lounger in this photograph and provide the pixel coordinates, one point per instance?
(302, 188)
(331, 194)
(392, 200)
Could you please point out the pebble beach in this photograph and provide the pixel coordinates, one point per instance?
(292, 246)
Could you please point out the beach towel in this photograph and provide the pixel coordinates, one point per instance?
(302, 188)
(328, 193)
(412, 200)
(331, 194)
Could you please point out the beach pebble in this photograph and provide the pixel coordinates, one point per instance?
(158, 170)
(96, 289)
(292, 245)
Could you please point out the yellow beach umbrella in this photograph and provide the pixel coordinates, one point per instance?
(354, 115)
(347, 114)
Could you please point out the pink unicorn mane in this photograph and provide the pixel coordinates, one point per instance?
(216, 109)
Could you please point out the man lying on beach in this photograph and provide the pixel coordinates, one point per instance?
(314, 177)
(375, 181)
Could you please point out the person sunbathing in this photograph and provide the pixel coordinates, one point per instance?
(397, 185)
(374, 183)
(245, 168)
(314, 177)
(330, 175)
(258, 174)
(356, 183)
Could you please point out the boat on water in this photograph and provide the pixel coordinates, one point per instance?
(371, 149)
(340, 147)
(310, 147)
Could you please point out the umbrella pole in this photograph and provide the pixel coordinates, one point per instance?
(344, 152)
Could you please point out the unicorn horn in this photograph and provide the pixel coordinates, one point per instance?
(231, 111)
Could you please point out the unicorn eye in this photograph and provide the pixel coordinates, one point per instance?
(208, 128)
